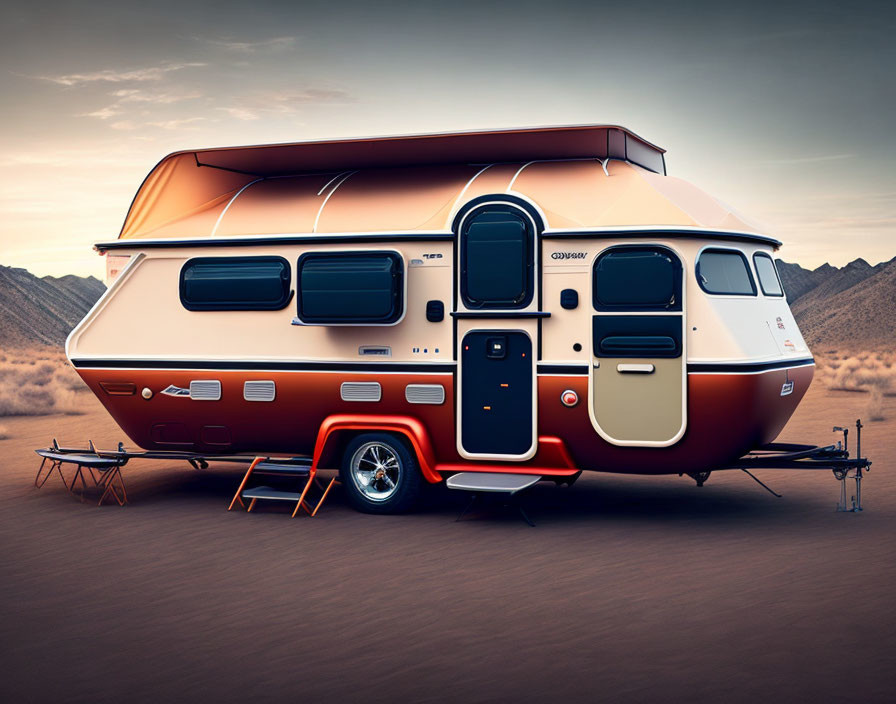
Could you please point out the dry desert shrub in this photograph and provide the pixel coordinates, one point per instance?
(873, 373)
(875, 410)
(31, 389)
(4, 433)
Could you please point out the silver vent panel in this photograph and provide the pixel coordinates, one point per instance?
(361, 391)
(433, 394)
(259, 391)
(205, 390)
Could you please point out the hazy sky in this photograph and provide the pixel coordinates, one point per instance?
(785, 111)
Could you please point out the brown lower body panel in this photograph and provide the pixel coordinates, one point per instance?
(728, 415)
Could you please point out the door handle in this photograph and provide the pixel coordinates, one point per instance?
(635, 368)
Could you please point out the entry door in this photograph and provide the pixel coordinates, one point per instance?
(495, 401)
(639, 368)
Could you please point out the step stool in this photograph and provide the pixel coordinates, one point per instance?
(297, 467)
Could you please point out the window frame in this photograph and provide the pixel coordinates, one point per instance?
(530, 264)
(766, 255)
(280, 304)
(677, 307)
(393, 254)
(714, 249)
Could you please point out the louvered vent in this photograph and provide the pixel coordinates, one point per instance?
(361, 391)
(425, 393)
(205, 390)
(259, 391)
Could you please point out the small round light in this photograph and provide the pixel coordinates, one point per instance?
(146, 393)
(569, 398)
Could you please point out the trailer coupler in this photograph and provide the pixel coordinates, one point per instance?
(832, 457)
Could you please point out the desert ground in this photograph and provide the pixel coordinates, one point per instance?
(629, 589)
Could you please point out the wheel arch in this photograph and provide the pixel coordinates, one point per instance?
(336, 431)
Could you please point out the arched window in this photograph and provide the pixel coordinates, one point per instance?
(497, 258)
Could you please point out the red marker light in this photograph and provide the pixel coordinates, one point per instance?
(569, 398)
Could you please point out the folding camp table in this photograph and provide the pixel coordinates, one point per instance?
(104, 471)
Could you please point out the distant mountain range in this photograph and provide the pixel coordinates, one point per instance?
(853, 306)
(42, 311)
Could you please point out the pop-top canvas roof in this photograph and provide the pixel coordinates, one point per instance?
(592, 176)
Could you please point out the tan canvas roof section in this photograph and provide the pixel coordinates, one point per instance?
(186, 189)
(417, 184)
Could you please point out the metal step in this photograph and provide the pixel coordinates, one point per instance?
(266, 492)
(492, 482)
(299, 469)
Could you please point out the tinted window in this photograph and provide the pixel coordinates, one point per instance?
(637, 278)
(350, 288)
(768, 275)
(725, 272)
(497, 259)
(235, 283)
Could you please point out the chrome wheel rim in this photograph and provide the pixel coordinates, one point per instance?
(376, 471)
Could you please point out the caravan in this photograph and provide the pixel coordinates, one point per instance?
(536, 301)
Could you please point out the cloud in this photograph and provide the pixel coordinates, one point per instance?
(76, 158)
(176, 124)
(108, 75)
(241, 113)
(102, 113)
(255, 106)
(806, 160)
(135, 95)
(126, 96)
(124, 125)
(273, 44)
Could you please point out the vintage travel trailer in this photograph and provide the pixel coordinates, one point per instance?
(534, 301)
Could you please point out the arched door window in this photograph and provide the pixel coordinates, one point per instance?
(497, 255)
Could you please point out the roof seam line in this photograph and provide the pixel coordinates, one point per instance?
(516, 175)
(329, 195)
(455, 207)
(229, 203)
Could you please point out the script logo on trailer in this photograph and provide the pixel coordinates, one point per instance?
(568, 255)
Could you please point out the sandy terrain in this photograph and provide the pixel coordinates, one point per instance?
(629, 589)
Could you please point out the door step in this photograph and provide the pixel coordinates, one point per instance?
(495, 482)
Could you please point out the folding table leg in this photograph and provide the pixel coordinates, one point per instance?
(54, 465)
(109, 487)
(79, 474)
(39, 470)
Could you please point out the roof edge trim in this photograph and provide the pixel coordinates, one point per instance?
(677, 232)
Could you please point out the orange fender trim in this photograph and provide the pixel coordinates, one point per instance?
(411, 428)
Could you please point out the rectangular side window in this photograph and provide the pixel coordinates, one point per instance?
(637, 278)
(235, 283)
(725, 272)
(350, 288)
(769, 281)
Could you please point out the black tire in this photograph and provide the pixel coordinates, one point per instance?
(369, 457)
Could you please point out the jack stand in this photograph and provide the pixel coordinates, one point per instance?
(855, 502)
(699, 477)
